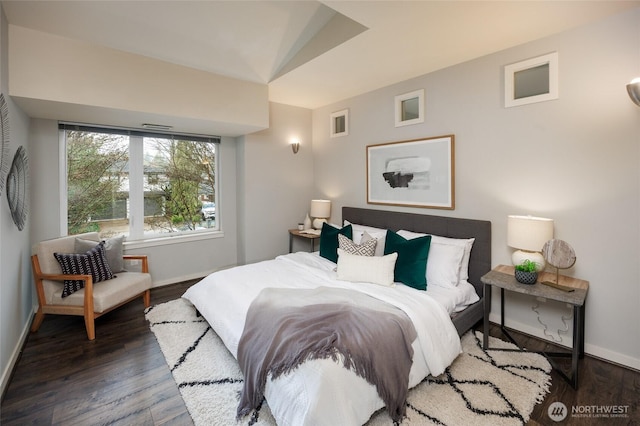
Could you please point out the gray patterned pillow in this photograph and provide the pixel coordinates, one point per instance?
(93, 262)
(367, 248)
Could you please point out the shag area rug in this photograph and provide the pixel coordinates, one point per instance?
(479, 388)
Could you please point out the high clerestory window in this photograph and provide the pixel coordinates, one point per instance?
(139, 184)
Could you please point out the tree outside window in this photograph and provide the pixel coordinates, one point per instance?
(111, 176)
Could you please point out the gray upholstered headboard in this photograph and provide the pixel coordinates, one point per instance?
(480, 260)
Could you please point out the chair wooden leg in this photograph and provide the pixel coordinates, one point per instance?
(37, 321)
(146, 297)
(89, 322)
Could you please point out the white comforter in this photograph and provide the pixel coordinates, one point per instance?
(322, 392)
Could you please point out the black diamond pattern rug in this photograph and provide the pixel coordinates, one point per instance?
(479, 388)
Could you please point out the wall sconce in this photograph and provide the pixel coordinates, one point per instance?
(320, 211)
(528, 234)
(295, 145)
(634, 90)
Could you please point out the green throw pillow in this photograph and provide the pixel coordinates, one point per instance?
(411, 265)
(329, 240)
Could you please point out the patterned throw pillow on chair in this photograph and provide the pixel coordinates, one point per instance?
(93, 262)
(366, 248)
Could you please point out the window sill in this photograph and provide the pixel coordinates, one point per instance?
(176, 239)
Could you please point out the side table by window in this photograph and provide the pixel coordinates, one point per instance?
(503, 277)
(299, 234)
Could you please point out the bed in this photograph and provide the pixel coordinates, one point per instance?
(479, 261)
(321, 391)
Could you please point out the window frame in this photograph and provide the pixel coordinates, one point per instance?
(334, 131)
(510, 71)
(136, 237)
(399, 100)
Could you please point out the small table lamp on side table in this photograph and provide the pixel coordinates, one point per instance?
(320, 212)
(527, 234)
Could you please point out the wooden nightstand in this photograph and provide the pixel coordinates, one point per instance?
(503, 277)
(296, 233)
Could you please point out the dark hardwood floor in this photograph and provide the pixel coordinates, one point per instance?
(602, 386)
(121, 378)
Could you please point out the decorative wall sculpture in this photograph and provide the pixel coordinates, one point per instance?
(4, 143)
(17, 188)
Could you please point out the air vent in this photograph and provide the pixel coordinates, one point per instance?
(156, 126)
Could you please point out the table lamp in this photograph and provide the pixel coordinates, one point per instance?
(528, 234)
(320, 212)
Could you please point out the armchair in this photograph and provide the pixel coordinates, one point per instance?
(92, 301)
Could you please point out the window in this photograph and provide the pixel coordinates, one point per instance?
(139, 184)
(339, 123)
(530, 81)
(409, 108)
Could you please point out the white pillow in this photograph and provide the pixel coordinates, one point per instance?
(374, 269)
(380, 240)
(377, 233)
(359, 230)
(443, 264)
(465, 243)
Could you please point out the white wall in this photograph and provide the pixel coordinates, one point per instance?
(276, 185)
(64, 79)
(575, 159)
(16, 292)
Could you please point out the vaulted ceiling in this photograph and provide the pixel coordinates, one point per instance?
(310, 53)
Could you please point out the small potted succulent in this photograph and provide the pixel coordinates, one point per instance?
(526, 272)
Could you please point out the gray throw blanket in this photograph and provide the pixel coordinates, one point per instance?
(286, 327)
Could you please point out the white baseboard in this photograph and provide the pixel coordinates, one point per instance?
(615, 357)
(170, 281)
(15, 355)
(593, 350)
(182, 278)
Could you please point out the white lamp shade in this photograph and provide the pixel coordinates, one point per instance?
(321, 209)
(528, 232)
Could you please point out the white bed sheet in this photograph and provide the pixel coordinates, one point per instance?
(454, 299)
(321, 392)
